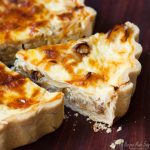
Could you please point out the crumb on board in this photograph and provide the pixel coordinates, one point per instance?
(112, 146)
(69, 114)
(108, 130)
(119, 129)
(117, 142)
(88, 119)
(66, 116)
(100, 126)
(76, 114)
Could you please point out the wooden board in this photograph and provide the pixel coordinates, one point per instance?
(136, 123)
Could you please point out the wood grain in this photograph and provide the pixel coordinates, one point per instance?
(136, 123)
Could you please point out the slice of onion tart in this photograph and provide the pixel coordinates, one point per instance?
(97, 74)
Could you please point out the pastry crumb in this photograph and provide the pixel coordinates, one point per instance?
(119, 129)
(69, 114)
(76, 114)
(99, 126)
(66, 117)
(108, 130)
(74, 130)
(117, 142)
(112, 146)
(88, 119)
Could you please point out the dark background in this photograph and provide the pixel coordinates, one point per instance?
(136, 123)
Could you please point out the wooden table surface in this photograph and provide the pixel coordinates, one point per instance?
(136, 123)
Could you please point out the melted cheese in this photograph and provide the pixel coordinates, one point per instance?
(19, 94)
(26, 19)
(107, 65)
